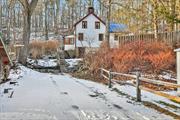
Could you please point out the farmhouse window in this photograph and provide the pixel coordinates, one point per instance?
(80, 36)
(97, 25)
(69, 41)
(84, 24)
(116, 37)
(101, 37)
(72, 41)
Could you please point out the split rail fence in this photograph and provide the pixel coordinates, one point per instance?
(109, 76)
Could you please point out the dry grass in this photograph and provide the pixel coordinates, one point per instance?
(38, 48)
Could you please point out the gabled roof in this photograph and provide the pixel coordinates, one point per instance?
(87, 16)
(114, 27)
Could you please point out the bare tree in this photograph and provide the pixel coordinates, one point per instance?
(57, 16)
(46, 24)
(28, 6)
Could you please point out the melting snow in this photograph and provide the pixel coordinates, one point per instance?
(73, 62)
(84, 100)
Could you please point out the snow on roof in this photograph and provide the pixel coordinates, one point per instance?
(114, 27)
(177, 50)
(70, 36)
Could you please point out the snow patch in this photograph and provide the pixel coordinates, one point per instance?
(43, 62)
(73, 62)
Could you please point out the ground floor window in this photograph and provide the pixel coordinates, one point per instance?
(80, 36)
(101, 37)
(116, 37)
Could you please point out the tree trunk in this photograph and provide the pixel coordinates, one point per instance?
(155, 25)
(108, 24)
(46, 21)
(69, 16)
(57, 17)
(173, 14)
(26, 37)
(0, 15)
(28, 10)
(8, 26)
(155, 19)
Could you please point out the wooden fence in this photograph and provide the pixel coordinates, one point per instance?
(138, 85)
(168, 37)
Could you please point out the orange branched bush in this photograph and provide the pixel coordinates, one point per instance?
(145, 56)
(38, 48)
(161, 61)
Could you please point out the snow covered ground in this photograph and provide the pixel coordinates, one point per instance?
(40, 36)
(43, 62)
(43, 96)
(150, 97)
(73, 62)
(52, 62)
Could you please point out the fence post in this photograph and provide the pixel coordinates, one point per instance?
(110, 79)
(138, 90)
(101, 72)
(178, 69)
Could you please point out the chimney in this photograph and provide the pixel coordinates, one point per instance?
(90, 10)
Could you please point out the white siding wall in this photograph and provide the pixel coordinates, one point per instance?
(91, 35)
(178, 69)
(69, 47)
(113, 43)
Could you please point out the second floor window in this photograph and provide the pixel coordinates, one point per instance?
(84, 24)
(97, 25)
(80, 36)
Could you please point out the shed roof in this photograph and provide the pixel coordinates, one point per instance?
(115, 27)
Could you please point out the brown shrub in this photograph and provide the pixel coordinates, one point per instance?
(148, 57)
(51, 45)
(38, 48)
(161, 61)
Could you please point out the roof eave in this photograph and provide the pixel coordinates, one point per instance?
(87, 16)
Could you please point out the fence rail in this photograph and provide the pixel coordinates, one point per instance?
(160, 82)
(138, 85)
(167, 37)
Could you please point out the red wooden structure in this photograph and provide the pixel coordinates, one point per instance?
(5, 61)
(4, 57)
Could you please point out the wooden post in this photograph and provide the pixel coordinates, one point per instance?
(138, 90)
(110, 77)
(178, 68)
(101, 72)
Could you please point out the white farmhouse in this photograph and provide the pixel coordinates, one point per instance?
(89, 32)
